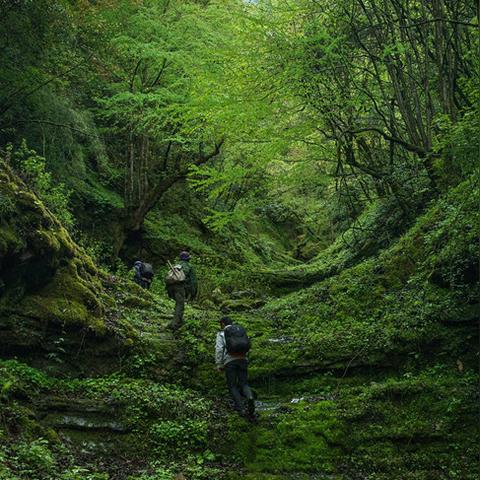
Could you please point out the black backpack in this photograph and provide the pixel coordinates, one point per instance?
(147, 270)
(236, 339)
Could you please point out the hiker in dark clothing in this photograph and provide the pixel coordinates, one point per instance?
(231, 347)
(143, 274)
(181, 291)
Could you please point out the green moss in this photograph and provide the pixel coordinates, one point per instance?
(302, 439)
(136, 301)
(389, 306)
(415, 421)
(391, 338)
(68, 298)
(9, 240)
(55, 281)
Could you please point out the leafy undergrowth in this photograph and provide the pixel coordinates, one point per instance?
(377, 227)
(99, 428)
(417, 298)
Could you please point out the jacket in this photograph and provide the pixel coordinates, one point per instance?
(190, 280)
(222, 357)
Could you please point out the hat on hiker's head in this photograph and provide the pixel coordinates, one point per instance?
(226, 320)
(184, 255)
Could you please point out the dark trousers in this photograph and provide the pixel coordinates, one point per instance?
(179, 297)
(142, 282)
(237, 381)
(177, 292)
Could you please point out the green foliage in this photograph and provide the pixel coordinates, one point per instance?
(394, 416)
(177, 436)
(165, 422)
(36, 458)
(460, 141)
(6, 205)
(170, 419)
(159, 473)
(224, 262)
(291, 125)
(32, 169)
(384, 303)
(312, 430)
(192, 467)
(80, 473)
(19, 378)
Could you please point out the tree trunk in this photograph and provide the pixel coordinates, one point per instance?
(134, 214)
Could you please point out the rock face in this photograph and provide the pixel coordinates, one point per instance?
(54, 302)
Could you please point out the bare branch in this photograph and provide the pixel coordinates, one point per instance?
(408, 146)
(435, 20)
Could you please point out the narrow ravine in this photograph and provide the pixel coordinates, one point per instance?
(309, 168)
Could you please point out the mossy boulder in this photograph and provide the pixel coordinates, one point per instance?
(47, 282)
(38, 258)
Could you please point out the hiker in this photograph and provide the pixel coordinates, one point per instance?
(181, 284)
(231, 348)
(143, 274)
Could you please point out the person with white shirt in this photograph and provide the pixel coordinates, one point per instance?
(231, 348)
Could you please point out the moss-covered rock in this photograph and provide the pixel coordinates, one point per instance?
(44, 274)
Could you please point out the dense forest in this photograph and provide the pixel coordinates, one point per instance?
(320, 162)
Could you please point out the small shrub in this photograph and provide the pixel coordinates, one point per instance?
(32, 168)
(35, 457)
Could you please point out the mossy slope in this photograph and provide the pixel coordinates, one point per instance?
(44, 274)
(391, 342)
(99, 386)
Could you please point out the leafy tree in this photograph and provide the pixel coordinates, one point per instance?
(147, 104)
